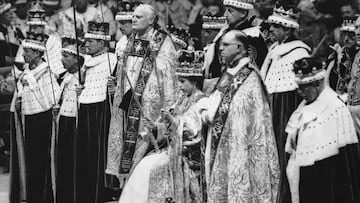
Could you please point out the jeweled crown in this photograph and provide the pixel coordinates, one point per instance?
(190, 63)
(285, 15)
(36, 15)
(127, 10)
(179, 35)
(35, 41)
(308, 70)
(348, 24)
(214, 22)
(98, 31)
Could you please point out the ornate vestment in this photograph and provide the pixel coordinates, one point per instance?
(158, 92)
(244, 166)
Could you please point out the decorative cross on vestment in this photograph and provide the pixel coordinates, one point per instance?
(132, 71)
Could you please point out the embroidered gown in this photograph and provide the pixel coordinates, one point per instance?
(168, 173)
(245, 165)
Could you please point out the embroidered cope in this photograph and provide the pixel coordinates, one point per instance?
(246, 165)
(163, 74)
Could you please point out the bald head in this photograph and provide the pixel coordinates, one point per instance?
(237, 36)
(234, 45)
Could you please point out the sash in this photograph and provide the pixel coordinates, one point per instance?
(228, 85)
(139, 48)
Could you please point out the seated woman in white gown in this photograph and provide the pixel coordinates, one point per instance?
(171, 174)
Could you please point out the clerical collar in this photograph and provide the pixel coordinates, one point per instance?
(236, 68)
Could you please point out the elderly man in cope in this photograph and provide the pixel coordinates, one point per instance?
(146, 82)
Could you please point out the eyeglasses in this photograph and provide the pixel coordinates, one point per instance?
(225, 44)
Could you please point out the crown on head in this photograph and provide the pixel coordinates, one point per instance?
(127, 10)
(179, 35)
(70, 44)
(348, 24)
(214, 22)
(4, 7)
(36, 15)
(242, 4)
(35, 41)
(98, 31)
(190, 63)
(308, 70)
(285, 15)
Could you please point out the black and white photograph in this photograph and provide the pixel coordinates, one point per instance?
(179, 101)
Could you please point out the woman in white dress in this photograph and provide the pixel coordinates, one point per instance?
(171, 173)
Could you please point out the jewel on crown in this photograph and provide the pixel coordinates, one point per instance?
(213, 22)
(284, 10)
(36, 10)
(179, 33)
(190, 63)
(98, 28)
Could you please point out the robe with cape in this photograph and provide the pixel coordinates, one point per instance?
(324, 148)
(93, 126)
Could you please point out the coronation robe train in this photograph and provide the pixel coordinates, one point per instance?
(324, 161)
(31, 176)
(279, 78)
(241, 159)
(93, 126)
(169, 173)
(150, 67)
(65, 146)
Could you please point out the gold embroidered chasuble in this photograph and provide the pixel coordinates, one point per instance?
(246, 165)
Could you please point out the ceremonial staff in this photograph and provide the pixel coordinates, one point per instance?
(107, 53)
(19, 127)
(77, 48)
(53, 138)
